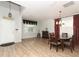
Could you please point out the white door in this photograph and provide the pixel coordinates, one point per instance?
(18, 30)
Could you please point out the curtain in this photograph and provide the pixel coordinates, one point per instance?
(76, 28)
(57, 28)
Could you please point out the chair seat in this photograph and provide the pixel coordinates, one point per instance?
(54, 43)
(67, 43)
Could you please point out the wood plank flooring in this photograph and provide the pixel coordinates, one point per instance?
(35, 48)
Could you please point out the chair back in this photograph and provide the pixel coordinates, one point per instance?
(72, 38)
(65, 35)
(52, 37)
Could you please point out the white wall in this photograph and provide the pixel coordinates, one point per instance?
(8, 27)
(47, 24)
(43, 24)
(27, 33)
(67, 27)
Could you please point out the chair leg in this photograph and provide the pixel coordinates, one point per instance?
(48, 42)
(57, 48)
(50, 46)
(71, 49)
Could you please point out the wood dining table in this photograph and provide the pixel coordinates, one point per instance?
(62, 40)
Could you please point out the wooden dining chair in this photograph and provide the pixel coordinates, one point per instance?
(70, 43)
(65, 35)
(54, 42)
(51, 35)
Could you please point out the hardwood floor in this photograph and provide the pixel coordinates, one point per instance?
(35, 48)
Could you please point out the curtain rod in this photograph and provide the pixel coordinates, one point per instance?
(68, 16)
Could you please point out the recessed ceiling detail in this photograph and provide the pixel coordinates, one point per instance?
(43, 10)
(69, 4)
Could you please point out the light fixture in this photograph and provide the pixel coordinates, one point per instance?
(10, 14)
(60, 21)
(57, 23)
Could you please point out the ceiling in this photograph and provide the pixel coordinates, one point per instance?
(43, 10)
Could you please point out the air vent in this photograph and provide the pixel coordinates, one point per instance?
(69, 4)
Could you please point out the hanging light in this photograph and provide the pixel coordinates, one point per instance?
(57, 23)
(60, 17)
(60, 22)
(9, 17)
(10, 14)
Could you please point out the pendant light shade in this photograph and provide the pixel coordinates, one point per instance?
(10, 14)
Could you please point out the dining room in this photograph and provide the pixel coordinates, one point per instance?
(66, 33)
(39, 29)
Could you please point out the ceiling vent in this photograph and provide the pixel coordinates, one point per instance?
(69, 4)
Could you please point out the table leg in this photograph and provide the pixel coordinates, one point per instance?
(62, 45)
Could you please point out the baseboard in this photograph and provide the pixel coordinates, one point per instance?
(7, 44)
(29, 38)
(18, 41)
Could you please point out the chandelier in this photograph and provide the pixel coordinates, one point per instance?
(60, 21)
